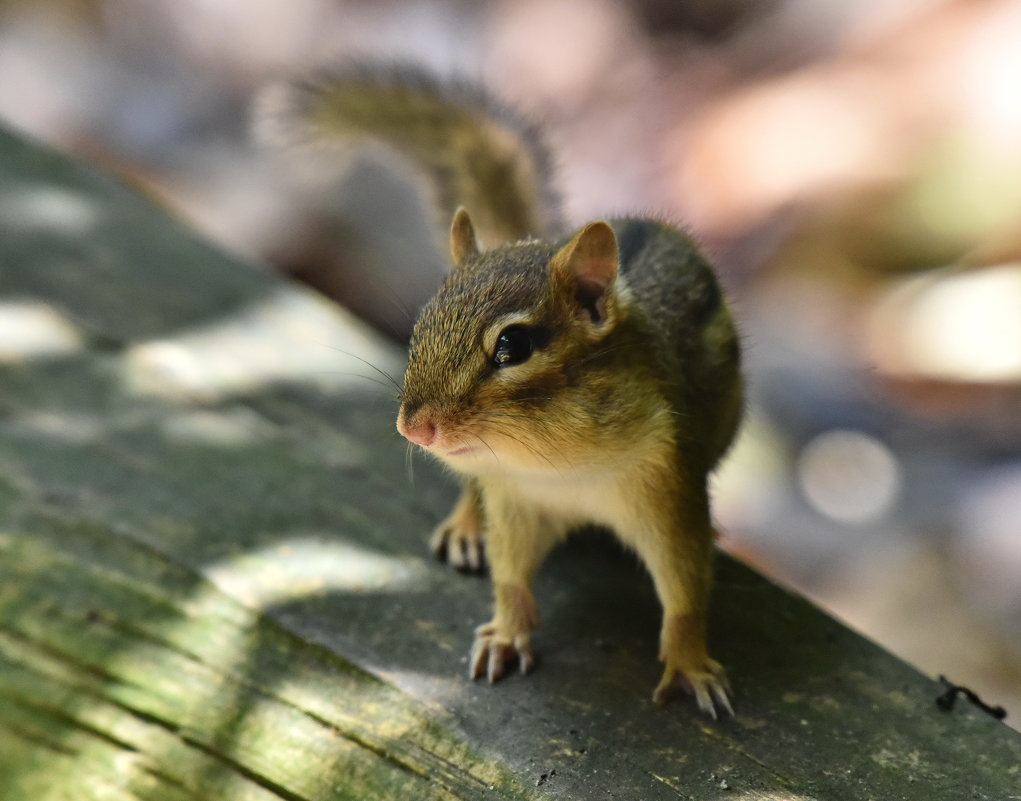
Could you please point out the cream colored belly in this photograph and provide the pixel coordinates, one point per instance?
(575, 501)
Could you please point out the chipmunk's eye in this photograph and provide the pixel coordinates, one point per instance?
(513, 346)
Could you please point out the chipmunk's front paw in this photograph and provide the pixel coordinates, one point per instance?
(459, 541)
(493, 650)
(707, 682)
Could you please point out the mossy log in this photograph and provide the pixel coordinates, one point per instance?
(214, 582)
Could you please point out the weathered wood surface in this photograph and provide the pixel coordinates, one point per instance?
(214, 582)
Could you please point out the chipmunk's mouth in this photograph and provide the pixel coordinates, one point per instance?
(464, 450)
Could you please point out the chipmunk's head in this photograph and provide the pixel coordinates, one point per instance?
(498, 352)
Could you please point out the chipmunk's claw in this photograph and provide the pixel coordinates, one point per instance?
(709, 685)
(459, 546)
(491, 653)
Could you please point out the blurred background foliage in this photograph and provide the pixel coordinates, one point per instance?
(854, 169)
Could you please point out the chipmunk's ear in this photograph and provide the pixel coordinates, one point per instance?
(463, 243)
(588, 265)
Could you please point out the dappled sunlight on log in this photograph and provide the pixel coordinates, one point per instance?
(293, 335)
(33, 330)
(50, 209)
(299, 566)
(224, 428)
(156, 683)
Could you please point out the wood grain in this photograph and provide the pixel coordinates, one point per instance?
(214, 582)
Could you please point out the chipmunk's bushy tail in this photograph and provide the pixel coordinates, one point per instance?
(472, 150)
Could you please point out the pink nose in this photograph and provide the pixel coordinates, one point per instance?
(421, 433)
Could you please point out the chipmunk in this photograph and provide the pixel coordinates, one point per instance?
(587, 377)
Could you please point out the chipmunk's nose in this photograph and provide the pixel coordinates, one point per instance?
(421, 431)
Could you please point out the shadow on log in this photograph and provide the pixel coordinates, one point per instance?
(214, 581)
